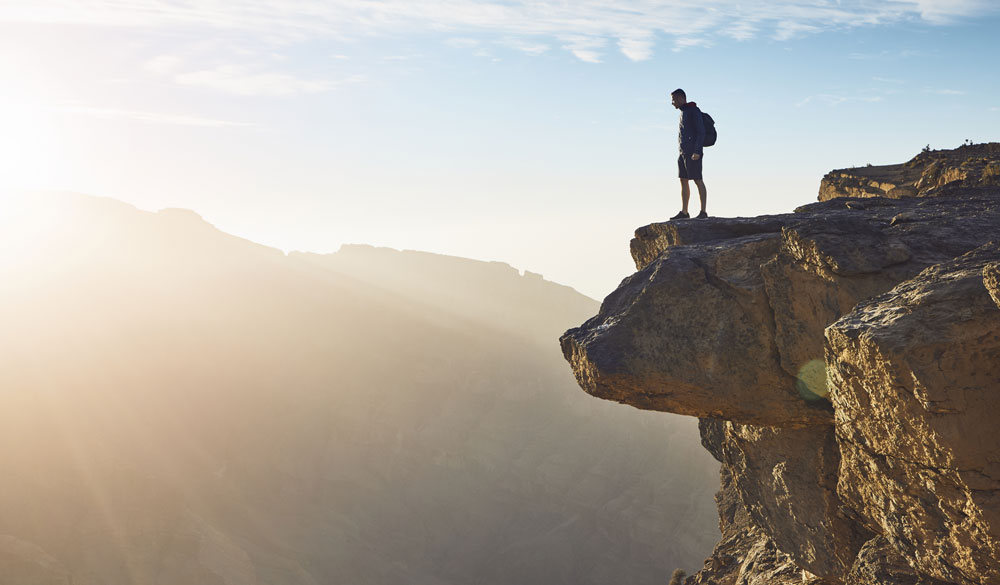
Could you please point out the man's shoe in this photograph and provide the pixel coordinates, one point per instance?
(702, 215)
(682, 215)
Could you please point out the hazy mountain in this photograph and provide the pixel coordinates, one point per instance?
(180, 406)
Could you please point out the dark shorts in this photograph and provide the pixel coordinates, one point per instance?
(689, 169)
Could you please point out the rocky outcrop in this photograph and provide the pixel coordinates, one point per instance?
(929, 174)
(921, 456)
(845, 359)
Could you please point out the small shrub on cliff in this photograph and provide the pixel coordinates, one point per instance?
(678, 577)
(991, 174)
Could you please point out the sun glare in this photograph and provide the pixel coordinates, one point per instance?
(29, 222)
(28, 146)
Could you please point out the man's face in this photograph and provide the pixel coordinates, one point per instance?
(677, 100)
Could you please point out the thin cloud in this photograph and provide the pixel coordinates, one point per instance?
(162, 64)
(687, 42)
(530, 48)
(240, 80)
(148, 117)
(885, 55)
(834, 100)
(788, 29)
(586, 49)
(948, 11)
(636, 49)
(633, 27)
(462, 42)
(944, 91)
(741, 31)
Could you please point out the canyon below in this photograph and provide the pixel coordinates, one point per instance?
(179, 406)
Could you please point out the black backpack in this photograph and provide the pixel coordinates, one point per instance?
(710, 134)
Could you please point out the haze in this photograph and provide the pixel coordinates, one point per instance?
(180, 406)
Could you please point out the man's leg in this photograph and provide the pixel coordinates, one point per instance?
(702, 193)
(685, 194)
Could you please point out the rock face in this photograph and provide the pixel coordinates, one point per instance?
(929, 174)
(917, 433)
(845, 361)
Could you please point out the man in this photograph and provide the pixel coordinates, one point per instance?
(690, 137)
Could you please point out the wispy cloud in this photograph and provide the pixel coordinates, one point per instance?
(885, 55)
(585, 48)
(147, 117)
(682, 43)
(245, 79)
(944, 91)
(636, 49)
(836, 99)
(634, 27)
(948, 11)
(462, 42)
(790, 29)
(525, 46)
(236, 79)
(162, 64)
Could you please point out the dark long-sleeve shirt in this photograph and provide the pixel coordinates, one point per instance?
(691, 134)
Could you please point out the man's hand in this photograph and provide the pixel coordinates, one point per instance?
(695, 156)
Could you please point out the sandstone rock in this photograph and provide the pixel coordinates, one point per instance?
(725, 320)
(915, 376)
(687, 334)
(650, 241)
(878, 563)
(787, 481)
(991, 278)
(926, 175)
(745, 555)
(725, 310)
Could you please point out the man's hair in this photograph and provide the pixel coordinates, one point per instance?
(680, 92)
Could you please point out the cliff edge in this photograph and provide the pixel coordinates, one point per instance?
(845, 362)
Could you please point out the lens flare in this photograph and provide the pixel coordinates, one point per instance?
(811, 381)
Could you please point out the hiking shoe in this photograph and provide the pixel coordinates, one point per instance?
(702, 215)
(681, 215)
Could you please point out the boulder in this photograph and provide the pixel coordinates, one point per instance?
(725, 318)
(915, 383)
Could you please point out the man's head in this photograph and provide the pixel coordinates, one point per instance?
(678, 98)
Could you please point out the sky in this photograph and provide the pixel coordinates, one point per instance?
(537, 133)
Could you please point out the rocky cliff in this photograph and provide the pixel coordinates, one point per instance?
(845, 362)
(931, 173)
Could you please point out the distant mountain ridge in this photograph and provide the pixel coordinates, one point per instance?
(181, 406)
